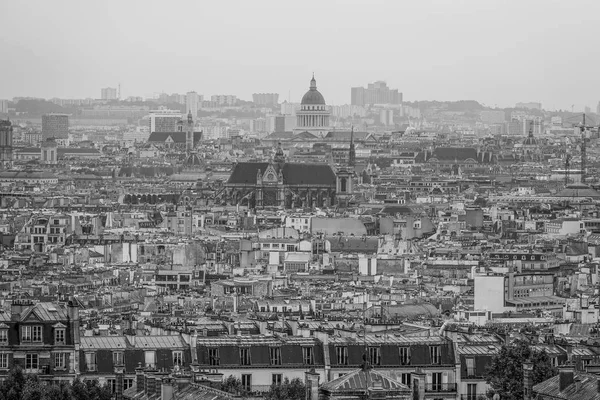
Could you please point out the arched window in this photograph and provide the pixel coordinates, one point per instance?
(343, 185)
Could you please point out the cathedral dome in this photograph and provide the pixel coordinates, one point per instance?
(530, 141)
(313, 96)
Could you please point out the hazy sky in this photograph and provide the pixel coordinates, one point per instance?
(494, 51)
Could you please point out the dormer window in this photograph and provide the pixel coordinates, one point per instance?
(3, 333)
(31, 334)
(59, 333)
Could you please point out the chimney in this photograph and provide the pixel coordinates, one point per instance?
(119, 371)
(527, 380)
(73, 314)
(17, 307)
(312, 384)
(566, 376)
(418, 384)
(166, 388)
(150, 383)
(139, 378)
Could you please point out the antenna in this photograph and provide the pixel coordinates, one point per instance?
(119, 94)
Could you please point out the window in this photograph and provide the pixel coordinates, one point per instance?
(117, 358)
(3, 336)
(275, 355)
(436, 381)
(307, 355)
(245, 356)
(471, 391)
(470, 366)
(434, 354)
(60, 361)
(405, 378)
(404, 355)
(90, 361)
(213, 356)
(112, 384)
(277, 379)
(150, 359)
(247, 382)
(32, 361)
(4, 361)
(341, 354)
(291, 247)
(127, 383)
(178, 358)
(31, 334)
(374, 355)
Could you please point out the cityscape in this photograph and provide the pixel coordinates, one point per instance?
(355, 240)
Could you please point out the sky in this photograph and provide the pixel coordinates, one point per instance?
(497, 52)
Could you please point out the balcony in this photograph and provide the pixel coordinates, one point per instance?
(440, 388)
(473, 396)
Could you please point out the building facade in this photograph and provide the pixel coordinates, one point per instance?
(6, 144)
(55, 126)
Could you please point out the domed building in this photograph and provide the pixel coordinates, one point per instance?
(531, 148)
(313, 116)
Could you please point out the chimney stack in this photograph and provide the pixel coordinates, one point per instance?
(528, 380)
(566, 375)
(139, 378)
(312, 384)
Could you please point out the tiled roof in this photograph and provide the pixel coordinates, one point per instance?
(178, 137)
(293, 174)
(254, 340)
(104, 342)
(363, 379)
(46, 312)
(586, 389)
(159, 342)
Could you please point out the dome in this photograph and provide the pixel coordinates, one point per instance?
(530, 141)
(313, 96)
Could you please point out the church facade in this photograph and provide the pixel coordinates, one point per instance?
(279, 183)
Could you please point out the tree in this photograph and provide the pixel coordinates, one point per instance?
(231, 384)
(505, 373)
(19, 386)
(294, 390)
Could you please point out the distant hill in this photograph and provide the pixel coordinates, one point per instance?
(40, 107)
(461, 105)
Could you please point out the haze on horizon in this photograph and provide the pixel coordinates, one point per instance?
(497, 52)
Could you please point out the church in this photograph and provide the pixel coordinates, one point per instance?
(279, 183)
(313, 116)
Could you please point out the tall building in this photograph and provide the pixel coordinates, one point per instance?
(265, 99)
(108, 93)
(223, 99)
(192, 103)
(374, 93)
(313, 116)
(6, 143)
(164, 120)
(598, 108)
(529, 106)
(55, 126)
(3, 106)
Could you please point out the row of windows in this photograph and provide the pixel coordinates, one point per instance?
(274, 356)
(289, 247)
(119, 359)
(374, 355)
(32, 361)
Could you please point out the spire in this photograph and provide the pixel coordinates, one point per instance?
(313, 83)
(352, 154)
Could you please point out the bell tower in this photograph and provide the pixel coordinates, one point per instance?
(189, 133)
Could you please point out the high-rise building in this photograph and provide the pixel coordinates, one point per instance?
(108, 93)
(375, 93)
(529, 106)
(192, 103)
(6, 143)
(3, 106)
(55, 126)
(164, 120)
(265, 99)
(223, 99)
